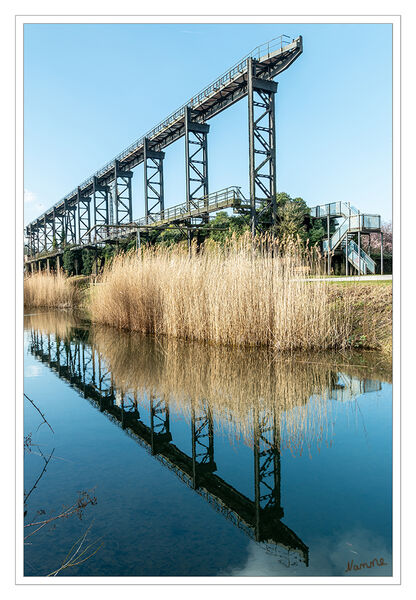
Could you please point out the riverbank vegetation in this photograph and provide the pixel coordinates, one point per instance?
(230, 292)
(233, 294)
(53, 290)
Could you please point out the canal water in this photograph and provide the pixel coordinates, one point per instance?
(202, 461)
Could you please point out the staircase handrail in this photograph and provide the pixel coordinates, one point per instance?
(364, 256)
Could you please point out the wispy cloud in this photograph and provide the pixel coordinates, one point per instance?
(29, 197)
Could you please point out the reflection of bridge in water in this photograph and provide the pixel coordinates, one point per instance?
(76, 360)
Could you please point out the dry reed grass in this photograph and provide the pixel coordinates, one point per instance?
(49, 290)
(235, 294)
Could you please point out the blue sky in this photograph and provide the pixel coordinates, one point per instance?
(91, 90)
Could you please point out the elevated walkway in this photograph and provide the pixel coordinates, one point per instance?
(230, 197)
(349, 222)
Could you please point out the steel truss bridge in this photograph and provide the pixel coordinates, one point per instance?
(99, 209)
(78, 362)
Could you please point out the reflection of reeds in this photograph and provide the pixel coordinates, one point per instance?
(50, 290)
(238, 385)
(237, 295)
(56, 322)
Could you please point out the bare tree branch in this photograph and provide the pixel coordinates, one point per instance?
(40, 476)
(79, 555)
(41, 414)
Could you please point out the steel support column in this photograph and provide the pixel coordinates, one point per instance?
(122, 195)
(84, 218)
(196, 157)
(70, 224)
(59, 233)
(154, 202)
(48, 233)
(37, 241)
(31, 240)
(101, 208)
(262, 145)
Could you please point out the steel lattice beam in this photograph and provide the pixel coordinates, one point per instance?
(84, 218)
(196, 157)
(262, 144)
(154, 201)
(48, 233)
(122, 195)
(59, 217)
(101, 207)
(70, 223)
(32, 238)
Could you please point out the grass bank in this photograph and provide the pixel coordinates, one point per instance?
(371, 306)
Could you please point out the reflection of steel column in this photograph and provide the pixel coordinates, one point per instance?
(100, 381)
(159, 423)
(93, 365)
(78, 353)
(256, 451)
(267, 493)
(202, 444)
(58, 353)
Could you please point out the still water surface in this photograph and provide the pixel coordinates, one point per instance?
(205, 461)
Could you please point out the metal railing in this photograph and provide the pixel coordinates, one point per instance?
(337, 236)
(354, 222)
(225, 198)
(366, 263)
(333, 209)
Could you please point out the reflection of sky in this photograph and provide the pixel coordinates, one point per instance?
(32, 371)
(336, 497)
(330, 557)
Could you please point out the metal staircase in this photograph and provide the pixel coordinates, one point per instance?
(349, 221)
(365, 264)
